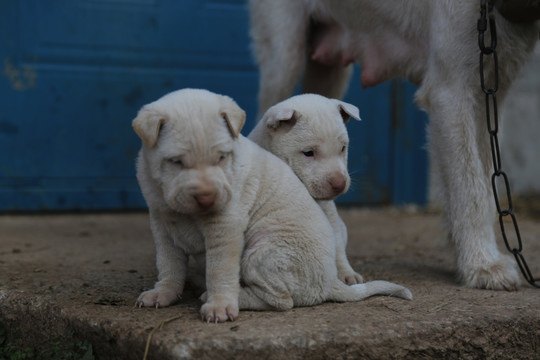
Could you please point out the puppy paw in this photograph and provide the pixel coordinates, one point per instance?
(159, 297)
(219, 309)
(497, 275)
(351, 278)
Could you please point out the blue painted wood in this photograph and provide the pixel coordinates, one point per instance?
(75, 72)
(370, 145)
(410, 157)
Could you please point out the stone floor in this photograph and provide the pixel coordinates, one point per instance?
(76, 278)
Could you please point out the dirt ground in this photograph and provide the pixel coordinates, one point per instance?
(77, 277)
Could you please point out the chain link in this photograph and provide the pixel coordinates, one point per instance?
(487, 22)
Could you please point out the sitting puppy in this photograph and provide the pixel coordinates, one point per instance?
(216, 196)
(308, 132)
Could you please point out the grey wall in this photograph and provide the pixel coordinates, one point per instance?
(520, 142)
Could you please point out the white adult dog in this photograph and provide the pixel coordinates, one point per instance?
(435, 45)
(238, 210)
(308, 132)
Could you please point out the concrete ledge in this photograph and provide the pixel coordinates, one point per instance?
(76, 277)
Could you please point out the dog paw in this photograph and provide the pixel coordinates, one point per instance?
(498, 275)
(351, 278)
(158, 298)
(219, 309)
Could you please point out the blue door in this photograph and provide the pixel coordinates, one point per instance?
(75, 73)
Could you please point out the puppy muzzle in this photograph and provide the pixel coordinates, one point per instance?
(205, 201)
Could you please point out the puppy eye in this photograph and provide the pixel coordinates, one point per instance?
(309, 153)
(343, 148)
(177, 162)
(222, 158)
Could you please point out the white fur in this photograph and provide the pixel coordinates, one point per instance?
(308, 132)
(432, 43)
(238, 210)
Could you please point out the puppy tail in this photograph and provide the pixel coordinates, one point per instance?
(342, 292)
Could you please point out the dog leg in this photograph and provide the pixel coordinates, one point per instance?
(247, 300)
(459, 141)
(224, 242)
(345, 272)
(279, 47)
(266, 273)
(327, 80)
(459, 144)
(262, 295)
(171, 264)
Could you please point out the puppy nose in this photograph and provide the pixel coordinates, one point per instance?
(338, 184)
(205, 200)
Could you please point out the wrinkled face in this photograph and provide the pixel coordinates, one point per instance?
(189, 138)
(192, 163)
(317, 153)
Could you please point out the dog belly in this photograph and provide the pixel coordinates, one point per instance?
(396, 49)
(326, 44)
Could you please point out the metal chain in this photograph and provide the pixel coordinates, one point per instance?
(486, 14)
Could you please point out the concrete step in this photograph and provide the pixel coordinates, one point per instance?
(71, 281)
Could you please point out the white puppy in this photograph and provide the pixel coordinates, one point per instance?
(435, 45)
(308, 132)
(238, 209)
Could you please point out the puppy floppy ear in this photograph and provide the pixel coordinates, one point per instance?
(347, 111)
(280, 119)
(234, 116)
(147, 125)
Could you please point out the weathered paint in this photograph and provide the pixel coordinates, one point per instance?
(20, 78)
